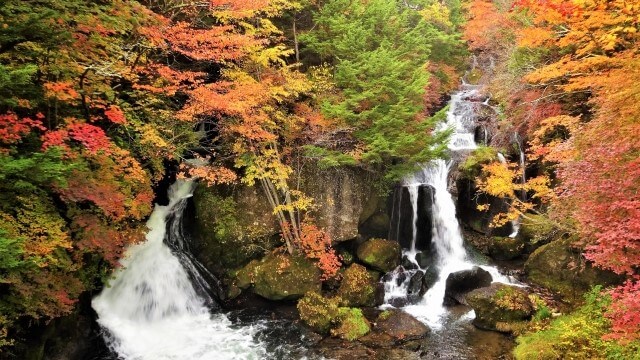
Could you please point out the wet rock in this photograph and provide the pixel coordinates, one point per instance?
(461, 282)
(414, 290)
(500, 307)
(429, 279)
(408, 264)
(352, 324)
(280, 277)
(380, 254)
(358, 287)
(423, 259)
(393, 328)
(379, 294)
(341, 195)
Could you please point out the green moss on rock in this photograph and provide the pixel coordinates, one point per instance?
(357, 287)
(536, 230)
(318, 311)
(500, 307)
(560, 267)
(380, 254)
(280, 277)
(352, 324)
(233, 226)
(506, 248)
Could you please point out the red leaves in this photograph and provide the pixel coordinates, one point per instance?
(90, 136)
(13, 128)
(625, 311)
(115, 115)
(316, 245)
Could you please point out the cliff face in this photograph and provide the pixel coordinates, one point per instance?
(235, 224)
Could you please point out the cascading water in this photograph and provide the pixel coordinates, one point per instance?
(151, 309)
(447, 241)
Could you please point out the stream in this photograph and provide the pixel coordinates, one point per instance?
(158, 305)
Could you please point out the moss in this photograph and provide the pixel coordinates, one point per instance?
(380, 254)
(280, 277)
(357, 287)
(474, 76)
(228, 237)
(578, 335)
(536, 230)
(384, 315)
(352, 324)
(472, 165)
(506, 248)
(561, 268)
(500, 307)
(318, 312)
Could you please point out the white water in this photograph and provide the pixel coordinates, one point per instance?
(152, 311)
(446, 235)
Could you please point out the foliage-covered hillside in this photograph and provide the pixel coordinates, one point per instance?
(99, 98)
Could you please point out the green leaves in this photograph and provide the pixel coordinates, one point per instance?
(380, 51)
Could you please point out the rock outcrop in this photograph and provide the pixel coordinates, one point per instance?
(380, 254)
(500, 307)
(459, 283)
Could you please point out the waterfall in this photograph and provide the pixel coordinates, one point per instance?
(447, 239)
(151, 309)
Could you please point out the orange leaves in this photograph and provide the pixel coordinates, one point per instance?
(484, 29)
(550, 139)
(115, 115)
(61, 91)
(201, 169)
(316, 245)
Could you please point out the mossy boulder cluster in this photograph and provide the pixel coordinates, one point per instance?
(561, 267)
(325, 315)
(500, 307)
(280, 277)
(358, 286)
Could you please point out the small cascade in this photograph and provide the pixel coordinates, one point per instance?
(157, 306)
(447, 245)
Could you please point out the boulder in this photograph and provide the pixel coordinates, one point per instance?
(280, 277)
(461, 282)
(500, 307)
(380, 254)
(352, 324)
(318, 311)
(423, 259)
(561, 267)
(233, 225)
(506, 248)
(394, 327)
(429, 279)
(358, 287)
(341, 195)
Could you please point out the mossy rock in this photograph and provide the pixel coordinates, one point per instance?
(500, 307)
(232, 226)
(380, 254)
(536, 230)
(506, 248)
(325, 315)
(393, 328)
(352, 324)
(561, 267)
(318, 311)
(358, 287)
(280, 277)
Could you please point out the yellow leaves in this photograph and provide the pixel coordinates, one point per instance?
(502, 181)
(437, 14)
(498, 181)
(201, 169)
